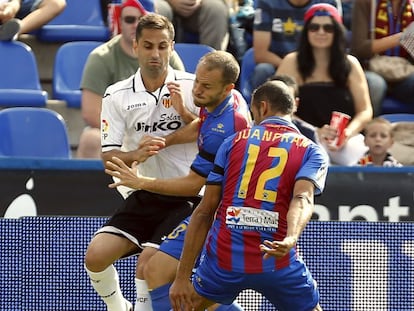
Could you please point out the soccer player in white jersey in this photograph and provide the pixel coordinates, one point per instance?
(136, 114)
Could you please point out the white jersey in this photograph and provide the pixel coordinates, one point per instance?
(129, 112)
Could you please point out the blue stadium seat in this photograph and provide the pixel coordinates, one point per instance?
(68, 69)
(80, 21)
(19, 78)
(33, 132)
(391, 105)
(246, 70)
(190, 54)
(399, 117)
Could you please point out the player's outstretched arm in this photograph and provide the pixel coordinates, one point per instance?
(148, 146)
(188, 185)
(182, 294)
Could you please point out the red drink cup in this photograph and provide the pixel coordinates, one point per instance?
(339, 121)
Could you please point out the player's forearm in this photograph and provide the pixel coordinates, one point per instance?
(299, 214)
(183, 135)
(127, 157)
(195, 237)
(180, 186)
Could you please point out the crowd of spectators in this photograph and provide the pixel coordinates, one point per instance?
(274, 29)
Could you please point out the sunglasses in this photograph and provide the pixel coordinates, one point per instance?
(328, 28)
(130, 19)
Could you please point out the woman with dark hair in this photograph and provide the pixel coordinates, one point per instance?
(329, 80)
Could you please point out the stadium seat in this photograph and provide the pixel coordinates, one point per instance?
(19, 78)
(33, 132)
(80, 21)
(190, 53)
(67, 71)
(399, 117)
(246, 71)
(391, 105)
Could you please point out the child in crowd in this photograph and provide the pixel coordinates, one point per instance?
(379, 139)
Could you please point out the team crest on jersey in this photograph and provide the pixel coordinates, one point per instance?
(166, 101)
(249, 218)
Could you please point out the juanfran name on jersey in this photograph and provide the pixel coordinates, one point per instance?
(248, 218)
(266, 135)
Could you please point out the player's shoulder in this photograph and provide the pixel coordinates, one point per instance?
(183, 76)
(120, 86)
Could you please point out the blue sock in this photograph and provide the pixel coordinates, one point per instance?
(233, 307)
(160, 298)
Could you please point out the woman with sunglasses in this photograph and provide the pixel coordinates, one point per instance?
(329, 80)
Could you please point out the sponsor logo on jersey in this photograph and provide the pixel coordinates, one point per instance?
(249, 218)
(167, 122)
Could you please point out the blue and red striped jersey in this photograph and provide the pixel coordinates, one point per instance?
(257, 169)
(230, 116)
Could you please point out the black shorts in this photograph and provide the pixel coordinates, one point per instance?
(149, 217)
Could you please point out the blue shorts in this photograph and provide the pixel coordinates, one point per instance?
(291, 288)
(174, 242)
(27, 7)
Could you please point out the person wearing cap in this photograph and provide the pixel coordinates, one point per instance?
(110, 62)
(209, 19)
(24, 16)
(329, 79)
(276, 29)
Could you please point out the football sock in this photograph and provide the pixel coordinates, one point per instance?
(143, 302)
(106, 284)
(233, 307)
(160, 298)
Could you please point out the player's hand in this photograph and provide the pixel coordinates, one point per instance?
(181, 293)
(177, 97)
(125, 175)
(148, 146)
(277, 249)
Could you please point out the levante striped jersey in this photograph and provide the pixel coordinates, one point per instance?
(230, 116)
(257, 169)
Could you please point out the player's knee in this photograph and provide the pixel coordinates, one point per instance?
(94, 260)
(144, 258)
(149, 270)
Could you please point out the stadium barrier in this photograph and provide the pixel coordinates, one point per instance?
(359, 266)
(31, 187)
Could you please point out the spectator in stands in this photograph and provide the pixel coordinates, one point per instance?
(390, 19)
(137, 113)
(222, 108)
(379, 139)
(347, 6)
(276, 29)
(209, 19)
(24, 16)
(113, 61)
(258, 199)
(329, 80)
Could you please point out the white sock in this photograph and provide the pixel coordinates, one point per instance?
(106, 284)
(143, 302)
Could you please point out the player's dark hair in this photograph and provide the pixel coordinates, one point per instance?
(224, 61)
(278, 95)
(154, 21)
